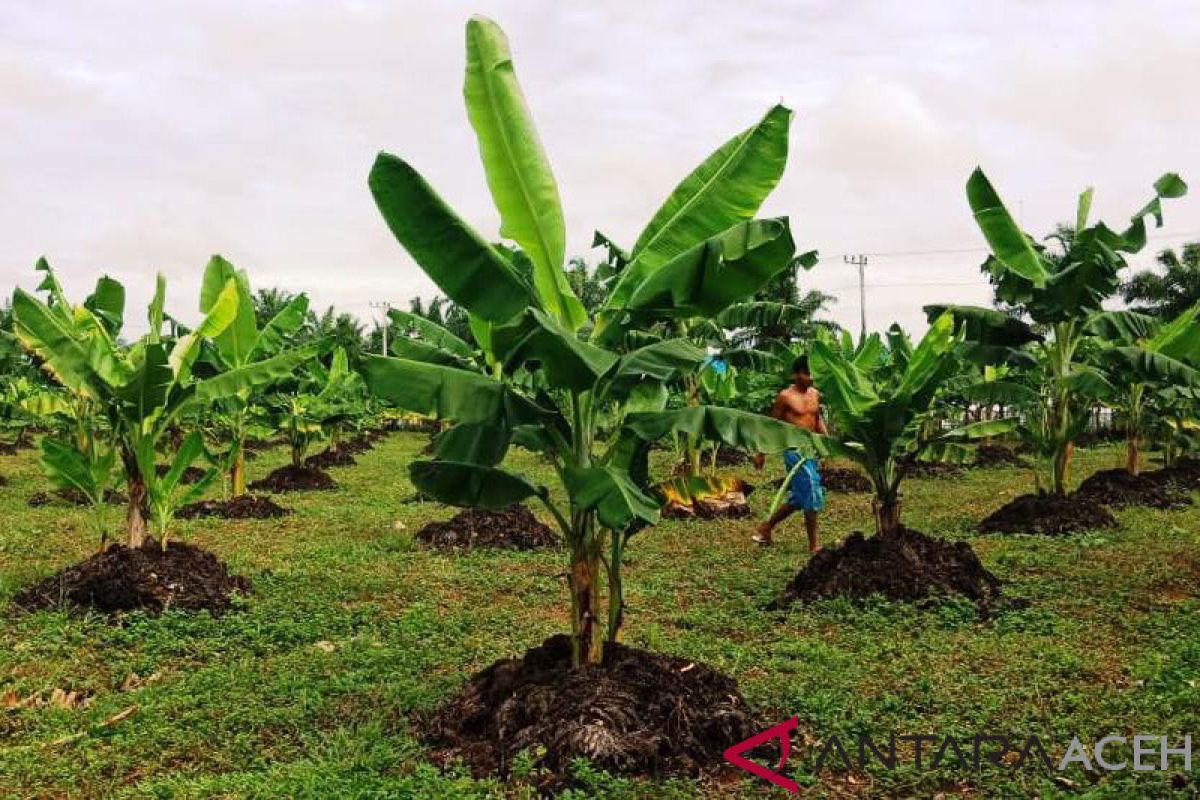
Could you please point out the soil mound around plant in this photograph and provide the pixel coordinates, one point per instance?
(992, 456)
(248, 506)
(330, 458)
(357, 445)
(908, 566)
(1118, 489)
(512, 528)
(12, 448)
(1048, 515)
(74, 497)
(930, 469)
(190, 475)
(1184, 473)
(145, 578)
(637, 713)
(291, 478)
(844, 479)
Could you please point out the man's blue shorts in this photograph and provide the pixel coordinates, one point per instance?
(806, 491)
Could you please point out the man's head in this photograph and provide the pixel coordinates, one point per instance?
(800, 374)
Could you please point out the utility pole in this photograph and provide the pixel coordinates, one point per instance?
(860, 261)
(387, 321)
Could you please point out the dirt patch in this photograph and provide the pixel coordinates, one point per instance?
(992, 456)
(248, 506)
(74, 497)
(911, 468)
(190, 475)
(512, 528)
(844, 479)
(637, 713)
(294, 479)
(1048, 514)
(144, 578)
(330, 458)
(3, 481)
(1118, 489)
(908, 566)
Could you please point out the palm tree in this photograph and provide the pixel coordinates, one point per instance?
(269, 302)
(342, 329)
(1170, 293)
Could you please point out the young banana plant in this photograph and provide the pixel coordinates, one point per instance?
(878, 402)
(138, 389)
(246, 360)
(700, 253)
(1062, 292)
(1141, 358)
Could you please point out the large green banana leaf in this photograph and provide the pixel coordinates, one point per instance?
(726, 188)
(718, 272)
(50, 336)
(470, 485)
(446, 393)
(1139, 365)
(752, 432)
(236, 342)
(219, 316)
(1180, 338)
(844, 388)
(418, 350)
(929, 356)
(1010, 244)
(150, 387)
(462, 264)
(1168, 186)
(107, 303)
(985, 325)
(613, 494)
(243, 379)
(1125, 327)
(518, 172)
(476, 443)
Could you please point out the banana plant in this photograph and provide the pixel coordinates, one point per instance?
(1141, 359)
(702, 251)
(1061, 291)
(246, 359)
(878, 404)
(87, 470)
(314, 403)
(137, 389)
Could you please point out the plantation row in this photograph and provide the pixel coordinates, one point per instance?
(698, 317)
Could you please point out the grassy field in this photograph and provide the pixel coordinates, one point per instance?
(307, 689)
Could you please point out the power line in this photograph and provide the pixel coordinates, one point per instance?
(983, 249)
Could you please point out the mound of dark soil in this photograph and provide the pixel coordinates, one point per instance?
(513, 528)
(143, 578)
(844, 479)
(989, 456)
(330, 458)
(357, 445)
(74, 497)
(1184, 474)
(911, 468)
(248, 506)
(12, 448)
(907, 566)
(3, 481)
(290, 478)
(1048, 514)
(637, 713)
(1118, 489)
(190, 475)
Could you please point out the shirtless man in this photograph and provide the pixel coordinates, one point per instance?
(799, 405)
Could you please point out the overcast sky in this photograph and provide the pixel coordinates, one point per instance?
(145, 136)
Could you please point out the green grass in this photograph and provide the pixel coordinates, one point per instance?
(249, 706)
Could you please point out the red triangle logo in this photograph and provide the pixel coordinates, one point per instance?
(782, 732)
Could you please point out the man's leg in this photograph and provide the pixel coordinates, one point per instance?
(810, 525)
(767, 528)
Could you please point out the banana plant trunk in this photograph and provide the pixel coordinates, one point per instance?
(887, 514)
(1133, 458)
(587, 643)
(135, 512)
(237, 473)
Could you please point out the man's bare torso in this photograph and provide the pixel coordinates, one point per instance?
(799, 408)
